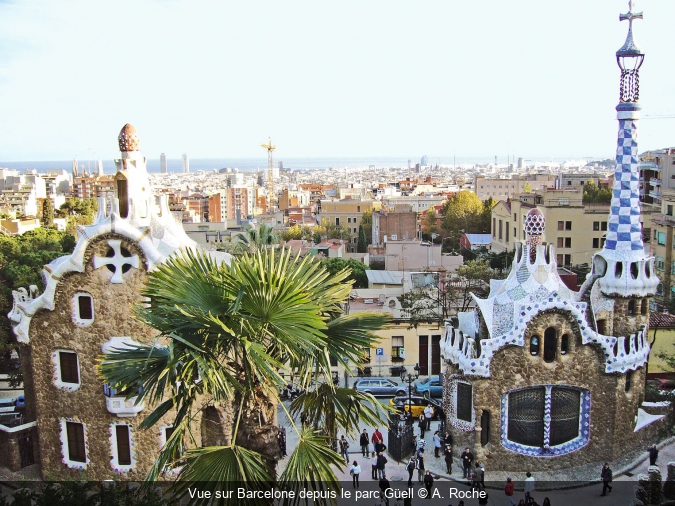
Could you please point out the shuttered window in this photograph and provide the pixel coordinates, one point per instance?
(76, 449)
(123, 445)
(68, 367)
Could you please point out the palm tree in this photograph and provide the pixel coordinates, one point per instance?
(226, 332)
(255, 238)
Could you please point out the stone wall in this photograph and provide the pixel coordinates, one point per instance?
(625, 324)
(52, 330)
(612, 409)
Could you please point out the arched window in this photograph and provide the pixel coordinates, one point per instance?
(631, 307)
(564, 344)
(524, 412)
(618, 269)
(534, 345)
(643, 307)
(485, 428)
(550, 344)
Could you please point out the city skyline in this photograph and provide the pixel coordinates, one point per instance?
(349, 80)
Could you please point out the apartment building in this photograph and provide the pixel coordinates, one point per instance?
(399, 224)
(502, 189)
(218, 206)
(662, 243)
(419, 204)
(348, 213)
(89, 187)
(657, 174)
(294, 198)
(576, 229)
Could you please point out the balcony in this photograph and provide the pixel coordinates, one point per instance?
(655, 182)
(118, 404)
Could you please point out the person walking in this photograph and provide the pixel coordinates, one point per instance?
(412, 465)
(467, 459)
(363, 441)
(653, 455)
(377, 440)
(344, 449)
(529, 486)
(448, 458)
(355, 471)
(381, 463)
(373, 461)
(479, 477)
(437, 444)
(420, 467)
(508, 491)
(428, 483)
(422, 425)
(606, 476)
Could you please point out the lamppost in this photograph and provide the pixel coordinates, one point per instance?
(410, 378)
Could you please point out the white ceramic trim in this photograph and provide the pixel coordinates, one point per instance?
(71, 387)
(114, 454)
(64, 445)
(76, 310)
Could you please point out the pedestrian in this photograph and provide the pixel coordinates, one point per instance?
(377, 440)
(529, 486)
(384, 486)
(428, 483)
(547, 502)
(606, 476)
(381, 463)
(414, 443)
(508, 490)
(448, 458)
(420, 466)
(437, 444)
(422, 425)
(344, 449)
(447, 440)
(483, 499)
(428, 415)
(373, 461)
(412, 465)
(363, 441)
(355, 471)
(522, 502)
(479, 476)
(653, 455)
(467, 459)
(421, 444)
(532, 502)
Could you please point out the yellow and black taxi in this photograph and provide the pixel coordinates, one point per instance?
(415, 405)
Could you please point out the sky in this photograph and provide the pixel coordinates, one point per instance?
(351, 78)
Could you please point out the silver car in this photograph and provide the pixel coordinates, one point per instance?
(379, 387)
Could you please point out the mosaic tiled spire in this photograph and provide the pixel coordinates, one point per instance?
(623, 266)
(624, 235)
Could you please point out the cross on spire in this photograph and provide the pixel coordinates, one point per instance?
(630, 15)
(117, 261)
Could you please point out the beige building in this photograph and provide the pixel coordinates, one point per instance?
(662, 243)
(502, 189)
(577, 230)
(394, 225)
(346, 213)
(418, 256)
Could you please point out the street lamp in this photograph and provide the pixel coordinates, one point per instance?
(409, 378)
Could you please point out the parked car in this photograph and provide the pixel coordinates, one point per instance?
(416, 402)
(433, 385)
(379, 387)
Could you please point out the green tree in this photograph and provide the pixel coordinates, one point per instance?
(367, 224)
(22, 258)
(255, 238)
(228, 331)
(355, 269)
(47, 213)
(362, 244)
(462, 214)
(77, 212)
(292, 233)
(595, 194)
(430, 221)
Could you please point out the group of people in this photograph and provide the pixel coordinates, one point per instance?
(509, 491)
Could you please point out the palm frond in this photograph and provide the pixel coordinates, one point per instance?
(310, 467)
(216, 466)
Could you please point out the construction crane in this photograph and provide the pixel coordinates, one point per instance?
(270, 173)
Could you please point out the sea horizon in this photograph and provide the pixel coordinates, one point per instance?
(175, 165)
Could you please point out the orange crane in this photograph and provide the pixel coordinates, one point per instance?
(270, 173)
